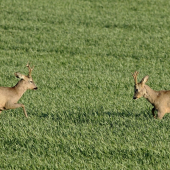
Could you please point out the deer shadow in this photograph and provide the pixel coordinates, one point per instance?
(94, 115)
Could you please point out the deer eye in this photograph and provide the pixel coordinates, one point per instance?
(31, 81)
(136, 90)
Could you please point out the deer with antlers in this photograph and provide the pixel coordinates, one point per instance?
(9, 96)
(159, 99)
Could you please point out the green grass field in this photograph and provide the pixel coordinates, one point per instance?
(83, 115)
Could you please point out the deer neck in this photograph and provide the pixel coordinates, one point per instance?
(150, 94)
(20, 88)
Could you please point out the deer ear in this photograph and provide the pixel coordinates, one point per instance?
(19, 75)
(144, 80)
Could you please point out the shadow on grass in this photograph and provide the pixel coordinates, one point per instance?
(81, 115)
(44, 115)
(128, 114)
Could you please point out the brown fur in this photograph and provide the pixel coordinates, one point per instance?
(159, 99)
(9, 96)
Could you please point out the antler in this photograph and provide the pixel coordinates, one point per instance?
(135, 74)
(30, 69)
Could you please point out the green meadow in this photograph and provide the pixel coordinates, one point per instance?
(83, 115)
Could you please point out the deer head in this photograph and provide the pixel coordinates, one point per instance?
(139, 88)
(27, 81)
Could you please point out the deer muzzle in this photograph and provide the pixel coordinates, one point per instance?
(134, 97)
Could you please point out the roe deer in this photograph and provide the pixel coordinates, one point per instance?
(9, 96)
(159, 99)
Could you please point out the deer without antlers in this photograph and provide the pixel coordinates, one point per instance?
(9, 96)
(159, 99)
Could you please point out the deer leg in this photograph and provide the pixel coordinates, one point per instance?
(24, 111)
(160, 115)
(153, 112)
(14, 106)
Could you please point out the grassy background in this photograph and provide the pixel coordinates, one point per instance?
(83, 115)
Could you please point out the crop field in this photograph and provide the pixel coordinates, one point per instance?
(83, 115)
